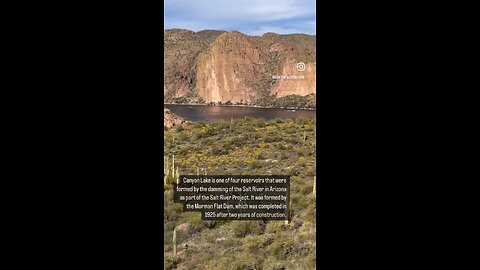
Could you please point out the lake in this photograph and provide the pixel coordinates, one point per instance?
(210, 114)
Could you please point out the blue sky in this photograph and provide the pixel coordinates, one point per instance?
(252, 17)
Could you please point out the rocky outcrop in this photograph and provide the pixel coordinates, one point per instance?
(216, 66)
(226, 68)
(170, 119)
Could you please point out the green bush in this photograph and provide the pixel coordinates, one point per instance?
(242, 228)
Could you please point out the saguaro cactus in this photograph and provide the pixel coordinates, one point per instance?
(287, 221)
(173, 166)
(174, 242)
(177, 177)
(314, 192)
(171, 173)
(166, 166)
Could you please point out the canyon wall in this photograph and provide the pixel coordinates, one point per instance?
(217, 66)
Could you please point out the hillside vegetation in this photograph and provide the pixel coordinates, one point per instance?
(243, 147)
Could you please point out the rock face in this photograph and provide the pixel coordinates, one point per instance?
(170, 119)
(216, 66)
(225, 69)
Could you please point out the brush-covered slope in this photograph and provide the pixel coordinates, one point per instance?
(243, 147)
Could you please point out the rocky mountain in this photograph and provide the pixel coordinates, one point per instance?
(170, 119)
(230, 67)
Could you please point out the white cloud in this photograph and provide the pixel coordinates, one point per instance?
(279, 30)
(248, 15)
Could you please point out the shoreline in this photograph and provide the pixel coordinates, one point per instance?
(241, 106)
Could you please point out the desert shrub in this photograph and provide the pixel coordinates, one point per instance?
(172, 262)
(246, 260)
(275, 226)
(242, 228)
(311, 171)
(281, 246)
(302, 162)
(255, 164)
(180, 128)
(194, 221)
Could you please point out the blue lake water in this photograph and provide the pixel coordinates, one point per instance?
(213, 113)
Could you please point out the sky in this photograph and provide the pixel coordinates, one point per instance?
(251, 17)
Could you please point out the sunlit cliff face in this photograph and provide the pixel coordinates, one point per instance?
(226, 68)
(216, 66)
